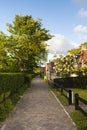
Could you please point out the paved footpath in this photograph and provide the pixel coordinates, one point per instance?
(38, 109)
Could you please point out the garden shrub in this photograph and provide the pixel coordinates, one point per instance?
(10, 82)
(73, 82)
(28, 78)
(12, 86)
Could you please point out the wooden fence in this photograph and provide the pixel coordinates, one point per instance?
(65, 92)
(80, 103)
(82, 108)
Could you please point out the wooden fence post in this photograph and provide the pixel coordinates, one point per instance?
(70, 97)
(76, 101)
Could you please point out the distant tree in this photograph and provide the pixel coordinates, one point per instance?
(81, 71)
(64, 65)
(59, 65)
(85, 43)
(75, 51)
(68, 65)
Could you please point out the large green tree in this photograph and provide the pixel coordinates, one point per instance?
(27, 42)
(7, 63)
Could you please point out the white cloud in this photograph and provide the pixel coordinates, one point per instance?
(81, 32)
(82, 13)
(60, 45)
(82, 37)
(80, 29)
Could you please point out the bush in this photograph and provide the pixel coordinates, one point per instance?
(28, 78)
(10, 81)
(81, 82)
(12, 86)
(5, 109)
(73, 82)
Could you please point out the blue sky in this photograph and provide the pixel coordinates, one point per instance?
(66, 19)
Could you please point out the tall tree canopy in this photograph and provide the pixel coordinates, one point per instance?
(3, 51)
(26, 44)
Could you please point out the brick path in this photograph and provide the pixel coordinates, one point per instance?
(38, 109)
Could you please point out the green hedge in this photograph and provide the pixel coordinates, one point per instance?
(28, 78)
(73, 82)
(11, 81)
(12, 85)
(81, 82)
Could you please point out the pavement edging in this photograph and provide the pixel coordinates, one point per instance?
(63, 107)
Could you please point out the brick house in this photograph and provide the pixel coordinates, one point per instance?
(83, 56)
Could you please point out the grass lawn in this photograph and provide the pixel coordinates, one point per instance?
(78, 117)
(82, 92)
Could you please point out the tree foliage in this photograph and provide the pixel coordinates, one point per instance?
(3, 51)
(75, 51)
(64, 65)
(25, 47)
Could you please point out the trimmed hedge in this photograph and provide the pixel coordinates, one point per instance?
(72, 82)
(81, 82)
(12, 86)
(10, 82)
(28, 78)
